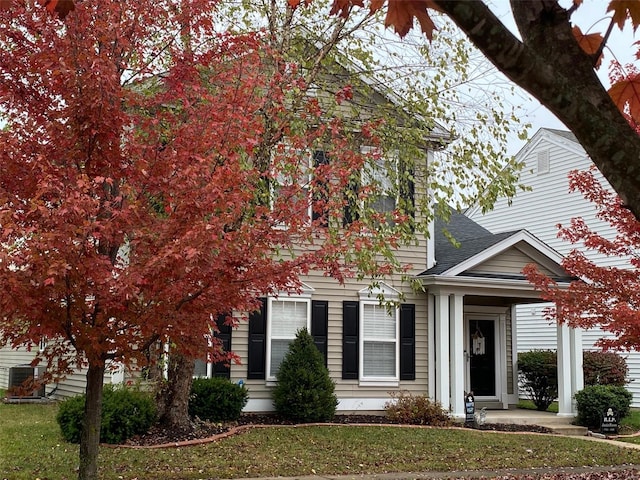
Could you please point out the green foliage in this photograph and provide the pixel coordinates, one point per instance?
(604, 368)
(415, 410)
(538, 375)
(593, 401)
(305, 391)
(217, 399)
(125, 412)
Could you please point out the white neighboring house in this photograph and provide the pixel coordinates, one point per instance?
(548, 158)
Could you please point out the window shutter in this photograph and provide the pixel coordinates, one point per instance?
(350, 330)
(319, 194)
(320, 325)
(407, 341)
(256, 362)
(222, 369)
(351, 213)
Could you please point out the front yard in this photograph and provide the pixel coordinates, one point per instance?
(31, 447)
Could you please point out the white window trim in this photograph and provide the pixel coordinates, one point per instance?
(305, 154)
(371, 296)
(305, 297)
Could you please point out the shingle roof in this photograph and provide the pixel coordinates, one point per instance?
(473, 239)
(563, 133)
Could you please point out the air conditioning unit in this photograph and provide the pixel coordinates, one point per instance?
(19, 374)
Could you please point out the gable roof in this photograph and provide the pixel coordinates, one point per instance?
(477, 247)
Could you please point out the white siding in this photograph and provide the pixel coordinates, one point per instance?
(540, 210)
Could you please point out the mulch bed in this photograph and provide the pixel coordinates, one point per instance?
(158, 435)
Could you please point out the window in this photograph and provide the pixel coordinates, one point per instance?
(379, 341)
(392, 179)
(290, 191)
(286, 317)
(203, 367)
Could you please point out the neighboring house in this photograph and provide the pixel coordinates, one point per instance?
(548, 158)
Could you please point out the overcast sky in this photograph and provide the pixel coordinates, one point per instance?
(591, 17)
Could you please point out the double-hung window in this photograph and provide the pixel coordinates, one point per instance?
(290, 190)
(379, 333)
(286, 316)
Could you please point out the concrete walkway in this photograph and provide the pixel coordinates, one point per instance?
(519, 416)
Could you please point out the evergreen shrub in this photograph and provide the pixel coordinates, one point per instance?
(125, 412)
(305, 391)
(217, 399)
(594, 400)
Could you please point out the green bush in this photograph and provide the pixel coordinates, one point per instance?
(593, 401)
(416, 410)
(305, 391)
(217, 399)
(125, 412)
(538, 374)
(604, 368)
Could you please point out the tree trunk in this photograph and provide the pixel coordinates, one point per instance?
(90, 435)
(173, 402)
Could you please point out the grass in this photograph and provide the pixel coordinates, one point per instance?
(529, 405)
(31, 447)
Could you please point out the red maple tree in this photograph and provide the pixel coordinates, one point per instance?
(154, 178)
(604, 296)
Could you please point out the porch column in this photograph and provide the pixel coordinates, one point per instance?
(442, 349)
(431, 346)
(577, 383)
(570, 375)
(456, 355)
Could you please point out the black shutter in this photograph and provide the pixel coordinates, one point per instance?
(223, 369)
(407, 341)
(407, 188)
(319, 193)
(350, 330)
(320, 325)
(256, 363)
(351, 211)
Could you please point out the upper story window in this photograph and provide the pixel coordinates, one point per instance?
(292, 188)
(391, 181)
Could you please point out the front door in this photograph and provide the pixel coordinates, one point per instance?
(481, 356)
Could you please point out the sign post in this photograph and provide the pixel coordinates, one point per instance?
(609, 425)
(469, 409)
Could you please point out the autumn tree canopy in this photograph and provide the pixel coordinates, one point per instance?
(138, 200)
(602, 296)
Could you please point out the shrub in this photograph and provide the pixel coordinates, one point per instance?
(415, 409)
(593, 401)
(538, 374)
(217, 399)
(604, 368)
(305, 391)
(125, 412)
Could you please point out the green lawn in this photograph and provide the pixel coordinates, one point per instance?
(31, 447)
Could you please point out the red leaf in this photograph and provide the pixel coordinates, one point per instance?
(589, 43)
(623, 9)
(626, 95)
(61, 7)
(5, 4)
(342, 7)
(400, 15)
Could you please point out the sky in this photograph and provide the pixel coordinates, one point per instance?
(591, 17)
